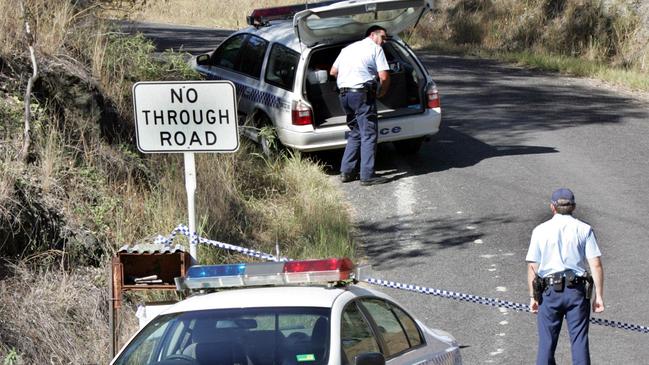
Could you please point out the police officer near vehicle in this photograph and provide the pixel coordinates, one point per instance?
(559, 283)
(361, 72)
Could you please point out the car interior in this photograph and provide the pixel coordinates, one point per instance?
(404, 95)
(210, 344)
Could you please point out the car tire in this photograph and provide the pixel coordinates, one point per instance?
(268, 140)
(408, 146)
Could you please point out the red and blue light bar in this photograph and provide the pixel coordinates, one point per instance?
(267, 273)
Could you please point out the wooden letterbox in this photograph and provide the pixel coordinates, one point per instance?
(144, 268)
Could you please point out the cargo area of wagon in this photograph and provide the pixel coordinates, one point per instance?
(405, 96)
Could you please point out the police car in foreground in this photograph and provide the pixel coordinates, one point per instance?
(297, 312)
(280, 66)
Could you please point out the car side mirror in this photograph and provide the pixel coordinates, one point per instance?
(370, 358)
(203, 59)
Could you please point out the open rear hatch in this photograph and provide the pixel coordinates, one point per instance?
(346, 20)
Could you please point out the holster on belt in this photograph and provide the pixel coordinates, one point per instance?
(538, 286)
(372, 88)
(589, 286)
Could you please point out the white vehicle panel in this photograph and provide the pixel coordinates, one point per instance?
(255, 297)
(345, 20)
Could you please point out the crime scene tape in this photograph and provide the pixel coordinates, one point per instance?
(184, 230)
(493, 302)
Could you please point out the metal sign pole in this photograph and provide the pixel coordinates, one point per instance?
(190, 187)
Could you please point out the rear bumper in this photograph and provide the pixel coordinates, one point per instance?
(390, 130)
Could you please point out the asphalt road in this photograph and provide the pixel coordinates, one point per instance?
(458, 215)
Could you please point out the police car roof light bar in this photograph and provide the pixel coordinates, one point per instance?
(267, 273)
(262, 16)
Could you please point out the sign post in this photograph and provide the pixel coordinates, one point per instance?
(186, 117)
(190, 187)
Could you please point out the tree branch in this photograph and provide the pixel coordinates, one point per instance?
(24, 153)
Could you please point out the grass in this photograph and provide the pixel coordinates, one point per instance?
(54, 316)
(228, 14)
(631, 79)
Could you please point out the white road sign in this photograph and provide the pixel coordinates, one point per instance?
(187, 116)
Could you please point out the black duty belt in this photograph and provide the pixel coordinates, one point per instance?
(353, 89)
(555, 279)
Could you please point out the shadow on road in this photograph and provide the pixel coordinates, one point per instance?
(391, 240)
(449, 149)
(492, 110)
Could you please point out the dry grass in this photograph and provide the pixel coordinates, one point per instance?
(8, 176)
(229, 14)
(55, 317)
(49, 22)
(10, 107)
(244, 199)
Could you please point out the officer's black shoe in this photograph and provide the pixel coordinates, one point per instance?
(348, 177)
(374, 180)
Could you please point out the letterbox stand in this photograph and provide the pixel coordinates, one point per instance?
(143, 267)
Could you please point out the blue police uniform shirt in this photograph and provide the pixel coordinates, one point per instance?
(562, 243)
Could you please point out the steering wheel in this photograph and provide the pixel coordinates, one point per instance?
(178, 359)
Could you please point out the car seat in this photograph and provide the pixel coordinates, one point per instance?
(212, 346)
(312, 350)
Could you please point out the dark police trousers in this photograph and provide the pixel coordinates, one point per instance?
(572, 304)
(360, 108)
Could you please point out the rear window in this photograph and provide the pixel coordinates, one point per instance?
(254, 336)
(282, 63)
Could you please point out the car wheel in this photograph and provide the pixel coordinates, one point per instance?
(267, 138)
(266, 143)
(408, 146)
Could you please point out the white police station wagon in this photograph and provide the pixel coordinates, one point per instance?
(285, 313)
(281, 72)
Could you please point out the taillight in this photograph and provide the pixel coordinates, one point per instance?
(301, 113)
(433, 98)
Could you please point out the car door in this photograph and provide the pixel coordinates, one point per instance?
(356, 334)
(398, 334)
(346, 20)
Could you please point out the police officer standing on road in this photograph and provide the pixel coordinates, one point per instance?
(356, 70)
(559, 283)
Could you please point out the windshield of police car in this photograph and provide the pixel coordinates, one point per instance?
(256, 336)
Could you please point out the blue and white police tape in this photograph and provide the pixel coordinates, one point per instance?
(182, 229)
(493, 302)
(450, 294)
